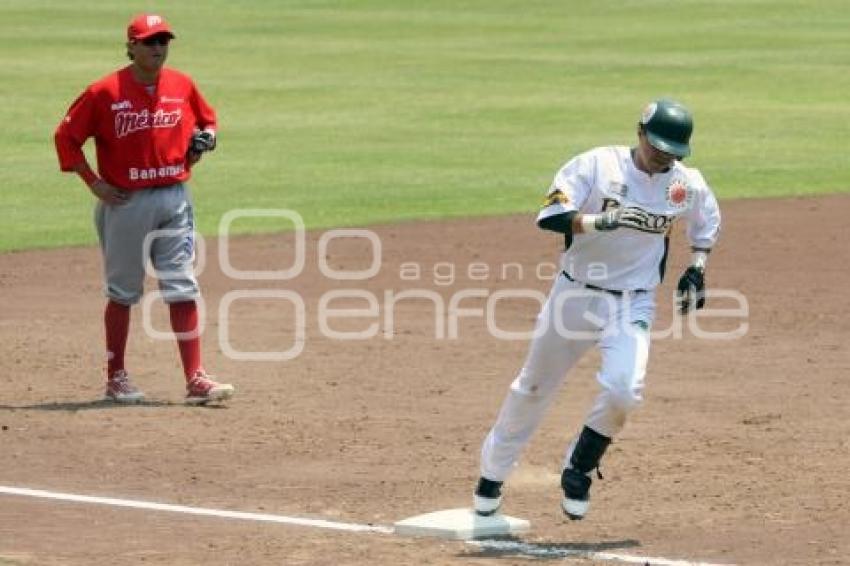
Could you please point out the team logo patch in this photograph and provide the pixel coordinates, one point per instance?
(679, 194)
(556, 197)
(128, 122)
(123, 105)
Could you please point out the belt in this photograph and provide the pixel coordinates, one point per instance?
(595, 288)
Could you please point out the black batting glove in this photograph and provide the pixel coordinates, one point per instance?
(201, 142)
(690, 292)
(607, 221)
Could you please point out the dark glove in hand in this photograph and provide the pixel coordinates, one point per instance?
(609, 220)
(691, 290)
(202, 141)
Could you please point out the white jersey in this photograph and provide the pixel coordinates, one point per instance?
(631, 257)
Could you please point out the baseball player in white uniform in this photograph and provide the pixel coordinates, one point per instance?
(615, 206)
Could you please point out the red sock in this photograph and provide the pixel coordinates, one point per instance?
(184, 320)
(116, 319)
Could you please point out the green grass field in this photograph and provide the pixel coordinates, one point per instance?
(371, 111)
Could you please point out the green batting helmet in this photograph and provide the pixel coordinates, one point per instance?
(668, 126)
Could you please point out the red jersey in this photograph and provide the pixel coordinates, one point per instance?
(141, 137)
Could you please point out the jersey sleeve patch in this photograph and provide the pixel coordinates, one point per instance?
(556, 196)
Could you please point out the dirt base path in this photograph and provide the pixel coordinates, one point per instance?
(739, 454)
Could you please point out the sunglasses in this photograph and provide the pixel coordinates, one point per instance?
(156, 40)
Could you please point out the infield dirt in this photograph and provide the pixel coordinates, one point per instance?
(739, 454)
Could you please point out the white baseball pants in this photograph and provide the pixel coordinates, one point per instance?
(572, 320)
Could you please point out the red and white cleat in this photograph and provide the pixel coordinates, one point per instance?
(120, 389)
(202, 389)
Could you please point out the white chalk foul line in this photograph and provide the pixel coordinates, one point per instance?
(516, 547)
(318, 523)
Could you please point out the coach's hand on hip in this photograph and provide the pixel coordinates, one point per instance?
(690, 292)
(107, 193)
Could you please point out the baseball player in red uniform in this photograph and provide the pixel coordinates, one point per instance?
(150, 125)
(615, 206)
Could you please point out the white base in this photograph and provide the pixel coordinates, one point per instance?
(461, 524)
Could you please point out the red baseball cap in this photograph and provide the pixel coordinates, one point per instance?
(146, 25)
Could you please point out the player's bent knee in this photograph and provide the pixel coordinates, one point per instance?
(625, 400)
